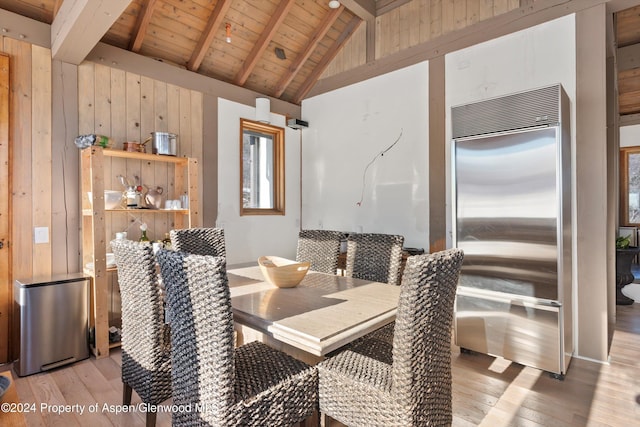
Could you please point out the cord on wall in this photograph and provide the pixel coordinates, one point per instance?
(380, 154)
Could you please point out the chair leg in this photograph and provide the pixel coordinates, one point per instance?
(312, 420)
(151, 419)
(126, 394)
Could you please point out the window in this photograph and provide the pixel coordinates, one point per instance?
(630, 185)
(261, 169)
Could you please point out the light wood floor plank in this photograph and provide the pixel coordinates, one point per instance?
(104, 394)
(74, 390)
(50, 401)
(486, 391)
(33, 418)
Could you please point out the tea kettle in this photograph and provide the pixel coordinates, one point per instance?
(154, 198)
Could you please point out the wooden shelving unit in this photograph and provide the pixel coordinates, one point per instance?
(179, 175)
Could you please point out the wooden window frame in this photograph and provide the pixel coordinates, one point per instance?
(277, 135)
(624, 184)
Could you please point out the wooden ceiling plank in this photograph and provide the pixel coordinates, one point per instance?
(142, 24)
(56, 7)
(79, 26)
(262, 42)
(326, 60)
(215, 21)
(295, 67)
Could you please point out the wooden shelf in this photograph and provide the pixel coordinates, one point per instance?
(94, 351)
(177, 175)
(145, 156)
(140, 211)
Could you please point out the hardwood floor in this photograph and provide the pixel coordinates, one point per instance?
(486, 391)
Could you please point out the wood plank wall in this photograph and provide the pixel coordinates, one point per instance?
(30, 129)
(128, 107)
(30, 142)
(416, 22)
(112, 102)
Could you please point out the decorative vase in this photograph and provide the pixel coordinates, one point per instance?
(624, 276)
(144, 237)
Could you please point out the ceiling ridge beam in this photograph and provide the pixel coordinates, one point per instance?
(365, 9)
(296, 66)
(215, 21)
(386, 6)
(326, 60)
(142, 23)
(263, 41)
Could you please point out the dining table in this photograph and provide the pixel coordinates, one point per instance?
(321, 314)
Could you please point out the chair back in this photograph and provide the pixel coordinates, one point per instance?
(199, 241)
(376, 257)
(145, 341)
(422, 336)
(321, 248)
(202, 349)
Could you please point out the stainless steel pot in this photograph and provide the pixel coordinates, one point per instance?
(164, 143)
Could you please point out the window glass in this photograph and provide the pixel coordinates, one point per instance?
(262, 169)
(630, 185)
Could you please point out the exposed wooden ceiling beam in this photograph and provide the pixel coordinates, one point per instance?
(365, 9)
(628, 57)
(141, 25)
(295, 67)
(263, 41)
(215, 20)
(385, 6)
(326, 60)
(79, 26)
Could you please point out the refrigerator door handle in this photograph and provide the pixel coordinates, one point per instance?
(538, 303)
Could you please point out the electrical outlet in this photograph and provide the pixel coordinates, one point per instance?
(41, 235)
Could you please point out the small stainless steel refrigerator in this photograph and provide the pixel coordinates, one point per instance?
(511, 167)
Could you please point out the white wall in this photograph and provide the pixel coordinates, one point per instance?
(348, 129)
(539, 56)
(249, 237)
(630, 136)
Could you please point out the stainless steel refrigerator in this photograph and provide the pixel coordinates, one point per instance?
(511, 181)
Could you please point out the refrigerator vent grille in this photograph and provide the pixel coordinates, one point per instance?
(517, 111)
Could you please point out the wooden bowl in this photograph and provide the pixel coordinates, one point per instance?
(282, 272)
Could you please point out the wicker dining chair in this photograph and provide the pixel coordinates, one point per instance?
(407, 383)
(321, 248)
(199, 241)
(146, 346)
(251, 385)
(376, 257)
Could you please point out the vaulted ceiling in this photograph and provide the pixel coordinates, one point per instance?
(279, 48)
(275, 47)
